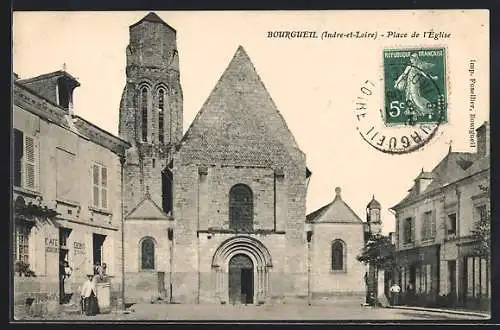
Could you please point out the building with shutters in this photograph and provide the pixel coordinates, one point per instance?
(435, 248)
(66, 183)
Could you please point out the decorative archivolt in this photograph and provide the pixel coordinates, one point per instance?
(242, 244)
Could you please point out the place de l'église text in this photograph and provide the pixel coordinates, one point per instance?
(305, 34)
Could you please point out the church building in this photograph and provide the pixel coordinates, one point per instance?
(218, 215)
(213, 214)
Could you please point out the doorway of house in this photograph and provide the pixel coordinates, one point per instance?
(241, 280)
(98, 241)
(62, 278)
(452, 280)
(64, 284)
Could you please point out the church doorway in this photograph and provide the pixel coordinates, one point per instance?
(241, 279)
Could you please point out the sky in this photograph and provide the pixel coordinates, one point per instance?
(313, 82)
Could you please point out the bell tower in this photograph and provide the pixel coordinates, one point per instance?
(373, 216)
(150, 111)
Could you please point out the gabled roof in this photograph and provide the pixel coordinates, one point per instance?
(453, 167)
(335, 212)
(153, 18)
(239, 122)
(147, 210)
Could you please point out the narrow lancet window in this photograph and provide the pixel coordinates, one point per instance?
(161, 113)
(144, 113)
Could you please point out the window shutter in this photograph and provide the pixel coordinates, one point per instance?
(412, 229)
(18, 157)
(433, 224)
(95, 185)
(407, 225)
(30, 162)
(423, 227)
(104, 187)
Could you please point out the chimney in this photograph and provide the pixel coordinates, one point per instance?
(337, 193)
(483, 139)
(56, 87)
(423, 180)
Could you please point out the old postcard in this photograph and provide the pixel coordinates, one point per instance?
(251, 165)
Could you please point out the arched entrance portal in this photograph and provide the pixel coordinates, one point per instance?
(241, 279)
(242, 265)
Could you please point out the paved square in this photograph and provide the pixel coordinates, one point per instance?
(331, 312)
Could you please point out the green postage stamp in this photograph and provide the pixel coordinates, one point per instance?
(415, 86)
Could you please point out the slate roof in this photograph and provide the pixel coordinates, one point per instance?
(479, 165)
(453, 167)
(374, 204)
(335, 212)
(154, 18)
(39, 105)
(239, 123)
(50, 75)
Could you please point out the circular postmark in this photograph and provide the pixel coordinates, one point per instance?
(403, 111)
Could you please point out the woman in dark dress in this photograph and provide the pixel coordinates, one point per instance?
(89, 296)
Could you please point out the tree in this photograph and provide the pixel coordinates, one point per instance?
(379, 253)
(481, 232)
(482, 235)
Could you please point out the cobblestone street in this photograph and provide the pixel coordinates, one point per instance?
(334, 312)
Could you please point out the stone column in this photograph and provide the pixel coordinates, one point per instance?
(261, 282)
(217, 283)
(266, 280)
(224, 286)
(267, 287)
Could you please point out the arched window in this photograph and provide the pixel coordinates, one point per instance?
(144, 112)
(147, 254)
(338, 255)
(161, 114)
(241, 208)
(167, 191)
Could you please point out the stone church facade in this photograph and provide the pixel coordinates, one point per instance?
(218, 215)
(214, 215)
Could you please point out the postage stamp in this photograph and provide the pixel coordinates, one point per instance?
(415, 86)
(403, 110)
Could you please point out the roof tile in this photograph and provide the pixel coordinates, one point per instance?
(239, 123)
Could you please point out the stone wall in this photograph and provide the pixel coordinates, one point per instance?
(326, 282)
(201, 203)
(142, 285)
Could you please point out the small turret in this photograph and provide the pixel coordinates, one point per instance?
(373, 216)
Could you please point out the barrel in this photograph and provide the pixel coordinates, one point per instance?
(104, 297)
